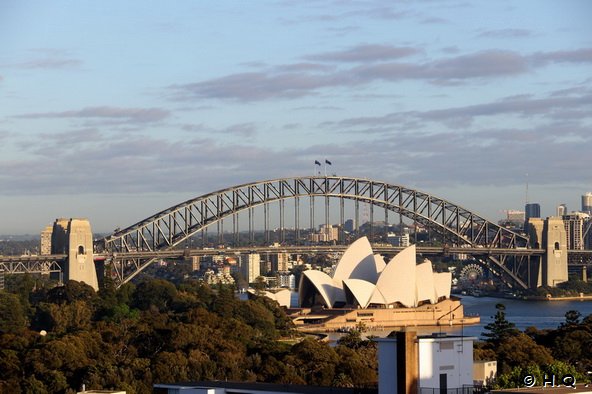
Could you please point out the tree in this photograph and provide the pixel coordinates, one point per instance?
(315, 360)
(70, 292)
(572, 318)
(259, 285)
(520, 351)
(156, 293)
(12, 313)
(353, 339)
(500, 328)
(573, 346)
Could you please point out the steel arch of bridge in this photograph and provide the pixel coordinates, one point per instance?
(169, 228)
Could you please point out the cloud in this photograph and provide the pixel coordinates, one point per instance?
(194, 165)
(491, 63)
(434, 21)
(48, 58)
(108, 114)
(366, 53)
(582, 55)
(506, 33)
(137, 164)
(256, 86)
(305, 79)
(48, 143)
(244, 130)
(554, 106)
(49, 63)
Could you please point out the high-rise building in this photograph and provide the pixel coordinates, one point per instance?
(280, 262)
(532, 210)
(514, 219)
(561, 210)
(574, 229)
(588, 234)
(250, 266)
(398, 240)
(349, 225)
(45, 246)
(587, 203)
(286, 279)
(327, 233)
(515, 216)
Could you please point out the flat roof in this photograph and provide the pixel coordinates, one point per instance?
(272, 387)
(557, 389)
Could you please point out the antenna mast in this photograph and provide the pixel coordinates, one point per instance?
(526, 189)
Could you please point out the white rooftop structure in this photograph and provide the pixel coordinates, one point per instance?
(363, 279)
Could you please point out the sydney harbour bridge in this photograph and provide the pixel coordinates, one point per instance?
(296, 203)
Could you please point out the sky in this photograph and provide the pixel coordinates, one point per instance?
(115, 110)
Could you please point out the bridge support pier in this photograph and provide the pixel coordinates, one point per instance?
(549, 234)
(74, 237)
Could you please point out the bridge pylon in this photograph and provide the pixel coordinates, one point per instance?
(549, 234)
(74, 237)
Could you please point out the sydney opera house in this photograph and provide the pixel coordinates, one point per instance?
(365, 289)
(362, 279)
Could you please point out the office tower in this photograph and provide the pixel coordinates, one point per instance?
(587, 203)
(574, 229)
(561, 210)
(349, 225)
(398, 240)
(250, 266)
(45, 245)
(280, 262)
(532, 210)
(327, 233)
(515, 218)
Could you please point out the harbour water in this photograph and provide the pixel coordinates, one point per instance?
(540, 314)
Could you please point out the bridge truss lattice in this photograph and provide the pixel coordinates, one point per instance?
(455, 225)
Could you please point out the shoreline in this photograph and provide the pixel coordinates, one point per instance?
(324, 329)
(446, 313)
(566, 298)
(581, 297)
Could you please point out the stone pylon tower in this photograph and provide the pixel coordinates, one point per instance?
(74, 238)
(549, 234)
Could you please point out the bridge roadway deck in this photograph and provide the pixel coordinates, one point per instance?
(427, 250)
(53, 263)
(32, 263)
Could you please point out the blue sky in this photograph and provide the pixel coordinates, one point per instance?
(115, 110)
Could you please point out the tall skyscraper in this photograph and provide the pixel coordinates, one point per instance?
(587, 203)
(45, 243)
(561, 210)
(532, 210)
(574, 229)
(280, 262)
(250, 266)
(349, 225)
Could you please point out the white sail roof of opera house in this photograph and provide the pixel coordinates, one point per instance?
(358, 262)
(442, 282)
(424, 283)
(282, 297)
(361, 292)
(362, 279)
(397, 281)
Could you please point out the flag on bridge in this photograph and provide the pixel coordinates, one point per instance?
(327, 162)
(318, 163)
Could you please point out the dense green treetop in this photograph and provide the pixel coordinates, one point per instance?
(53, 340)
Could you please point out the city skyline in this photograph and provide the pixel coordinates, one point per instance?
(115, 111)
